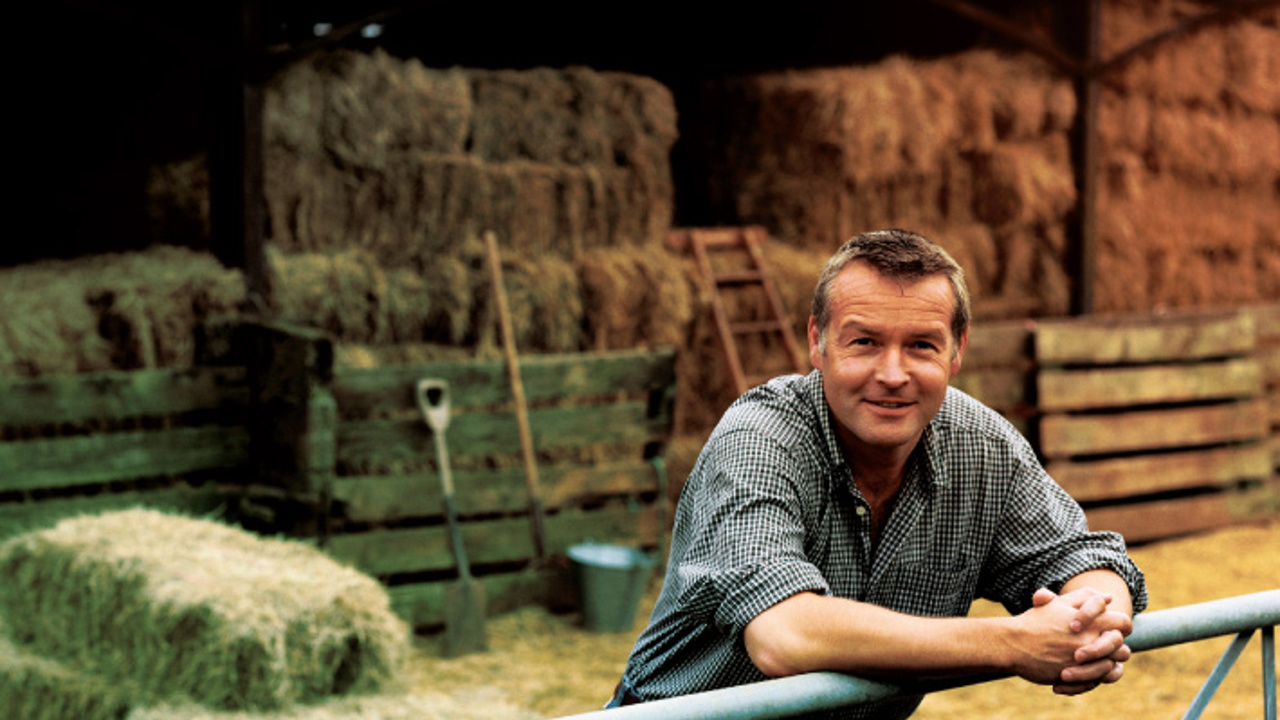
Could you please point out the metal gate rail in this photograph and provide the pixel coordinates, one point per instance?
(799, 694)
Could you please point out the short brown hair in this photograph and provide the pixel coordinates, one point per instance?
(898, 254)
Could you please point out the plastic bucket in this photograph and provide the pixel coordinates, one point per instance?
(611, 580)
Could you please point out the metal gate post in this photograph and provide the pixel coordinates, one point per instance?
(1269, 671)
(1216, 677)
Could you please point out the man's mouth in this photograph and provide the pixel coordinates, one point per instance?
(889, 404)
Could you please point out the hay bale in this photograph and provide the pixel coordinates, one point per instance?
(424, 706)
(820, 155)
(353, 297)
(366, 108)
(622, 125)
(536, 206)
(1222, 147)
(110, 311)
(183, 607)
(1183, 245)
(1253, 65)
(402, 160)
(1019, 184)
(37, 688)
(636, 297)
(340, 292)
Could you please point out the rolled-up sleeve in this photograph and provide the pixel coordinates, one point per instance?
(748, 547)
(1044, 541)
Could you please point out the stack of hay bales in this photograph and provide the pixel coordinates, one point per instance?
(117, 311)
(1190, 136)
(137, 608)
(971, 149)
(382, 175)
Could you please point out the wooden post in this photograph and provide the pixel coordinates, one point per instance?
(293, 421)
(1085, 150)
(236, 197)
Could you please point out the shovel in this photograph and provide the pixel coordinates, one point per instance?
(464, 600)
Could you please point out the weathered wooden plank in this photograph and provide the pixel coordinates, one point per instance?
(369, 498)
(116, 395)
(385, 552)
(1266, 322)
(364, 393)
(1003, 389)
(19, 517)
(1269, 360)
(1144, 522)
(1143, 339)
(1112, 387)
(1069, 435)
(381, 443)
(107, 457)
(1000, 344)
(423, 604)
(1146, 474)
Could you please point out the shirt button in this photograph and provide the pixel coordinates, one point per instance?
(862, 510)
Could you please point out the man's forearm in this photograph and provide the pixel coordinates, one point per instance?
(1106, 582)
(809, 632)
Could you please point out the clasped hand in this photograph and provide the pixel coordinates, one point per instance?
(1076, 641)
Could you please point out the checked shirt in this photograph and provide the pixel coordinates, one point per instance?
(770, 510)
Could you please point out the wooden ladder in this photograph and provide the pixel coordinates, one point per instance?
(744, 242)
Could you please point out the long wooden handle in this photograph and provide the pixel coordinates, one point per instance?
(517, 390)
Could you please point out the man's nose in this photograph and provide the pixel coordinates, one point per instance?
(891, 371)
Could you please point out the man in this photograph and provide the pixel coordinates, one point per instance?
(845, 520)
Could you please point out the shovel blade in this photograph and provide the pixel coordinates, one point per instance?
(465, 607)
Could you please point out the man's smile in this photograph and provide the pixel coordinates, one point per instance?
(891, 404)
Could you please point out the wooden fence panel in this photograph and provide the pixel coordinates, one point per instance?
(1156, 429)
(998, 370)
(597, 420)
(1095, 341)
(49, 463)
(1121, 387)
(98, 441)
(1267, 327)
(1157, 424)
(373, 498)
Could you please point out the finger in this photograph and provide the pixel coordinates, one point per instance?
(1043, 597)
(1091, 672)
(1116, 673)
(1091, 609)
(1107, 645)
(1076, 689)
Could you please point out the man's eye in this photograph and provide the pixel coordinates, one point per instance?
(863, 342)
(925, 345)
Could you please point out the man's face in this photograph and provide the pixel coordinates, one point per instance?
(889, 356)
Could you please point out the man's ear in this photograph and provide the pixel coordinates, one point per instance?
(815, 355)
(961, 344)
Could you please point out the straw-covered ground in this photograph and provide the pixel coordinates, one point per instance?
(551, 666)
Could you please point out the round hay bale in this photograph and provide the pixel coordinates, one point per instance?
(177, 606)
